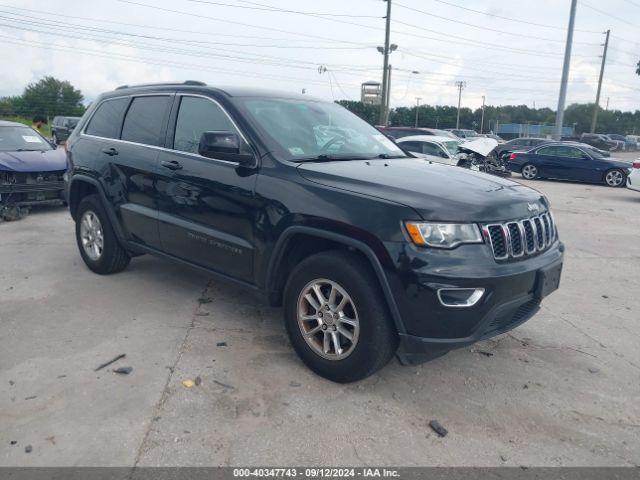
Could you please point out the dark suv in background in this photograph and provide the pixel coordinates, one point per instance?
(370, 251)
(61, 128)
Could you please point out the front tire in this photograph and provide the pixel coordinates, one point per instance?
(529, 171)
(97, 242)
(615, 178)
(336, 317)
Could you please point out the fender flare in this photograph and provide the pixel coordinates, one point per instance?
(113, 218)
(362, 247)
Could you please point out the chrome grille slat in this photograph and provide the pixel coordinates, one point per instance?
(517, 238)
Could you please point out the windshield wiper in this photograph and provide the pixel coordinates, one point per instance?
(386, 156)
(29, 150)
(331, 158)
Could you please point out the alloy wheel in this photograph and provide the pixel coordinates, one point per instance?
(529, 172)
(328, 319)
(91, 235)
(614, 178)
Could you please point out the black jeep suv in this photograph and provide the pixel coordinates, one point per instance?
(371, 252)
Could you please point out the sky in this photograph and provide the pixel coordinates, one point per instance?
(510, 52)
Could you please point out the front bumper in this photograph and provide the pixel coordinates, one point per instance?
(512, 296)
(29, 189)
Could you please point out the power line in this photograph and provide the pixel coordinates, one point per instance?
(259, 6)
(460, 22)
(511, 19)
(602, 12)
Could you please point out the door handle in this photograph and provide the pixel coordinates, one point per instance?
(110, 151)
(171, 164)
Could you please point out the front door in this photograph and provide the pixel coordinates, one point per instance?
(206, 206)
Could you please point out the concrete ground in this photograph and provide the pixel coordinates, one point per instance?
(562, 389)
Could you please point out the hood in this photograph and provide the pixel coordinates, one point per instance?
(46, 161)
(618, 162)
(435, 191)
(481, 146)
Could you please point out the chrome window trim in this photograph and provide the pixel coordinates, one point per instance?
(83, 133)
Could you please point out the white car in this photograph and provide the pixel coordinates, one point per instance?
(432, 147)
(633, 179)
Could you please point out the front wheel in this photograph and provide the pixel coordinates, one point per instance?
(336, 317)
(615, 178)
(530, 172)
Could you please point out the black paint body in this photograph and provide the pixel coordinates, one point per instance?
(242, 222)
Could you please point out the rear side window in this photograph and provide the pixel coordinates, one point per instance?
(196, 116)
(107, 119)
(143, 122)
(415, 147)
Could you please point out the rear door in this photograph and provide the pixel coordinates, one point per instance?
(207, 206)
(130, 131)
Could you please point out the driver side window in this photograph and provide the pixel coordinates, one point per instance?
(196, 116)
(431, 149)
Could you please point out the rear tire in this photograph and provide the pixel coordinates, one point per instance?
(529, 171)
(615, 178)
(374, 339)
(97, 242)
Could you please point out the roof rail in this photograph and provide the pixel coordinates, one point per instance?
(186, 82)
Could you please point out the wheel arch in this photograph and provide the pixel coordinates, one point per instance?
(82, 185)
(313, 240)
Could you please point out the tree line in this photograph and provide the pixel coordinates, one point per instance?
(48, 97)
(433, 116)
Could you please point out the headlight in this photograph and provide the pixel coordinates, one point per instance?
(443, 235)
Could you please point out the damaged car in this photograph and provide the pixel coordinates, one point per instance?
(31, 171)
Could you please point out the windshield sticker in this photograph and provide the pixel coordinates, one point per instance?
(296, 151)
(386, 142)
(31, 139)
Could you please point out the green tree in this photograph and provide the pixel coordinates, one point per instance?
(51, 96)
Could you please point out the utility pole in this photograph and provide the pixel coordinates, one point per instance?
(557, 134)
(482, 118)
(607, 107)
(385, 69)
(388, 99)
(460, 86)
(596, 107)
(417, 108)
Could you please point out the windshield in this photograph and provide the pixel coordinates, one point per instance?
(20, 139)
(306, 130)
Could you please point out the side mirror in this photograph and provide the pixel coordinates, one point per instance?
(224, 146)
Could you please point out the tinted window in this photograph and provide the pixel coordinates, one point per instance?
(143, 123)
(107, 118)
(415, 147)
(569, 152)
(432, 149)
(196, 116)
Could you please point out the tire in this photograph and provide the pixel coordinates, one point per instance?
(374, 339)
(615, 178)
(111, 258)
(529, 171)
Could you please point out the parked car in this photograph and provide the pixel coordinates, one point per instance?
(497, 138)
(400, 132)
(633, 179)
(61, 128)
(31, 170)
(431, 147)
(524, 143)
(633, 141)
(371, 252)
(569, 162)
(599, 141)
(623, 141)
(463, 133)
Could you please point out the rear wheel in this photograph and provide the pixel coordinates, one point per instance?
(530, 171)
(615, 178)
(97, 242)
(336, 317)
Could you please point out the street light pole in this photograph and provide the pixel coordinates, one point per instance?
(482, 118)
(385, 69)
(565, 73)
(596, 107)
(417, 108)
(460, 86)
